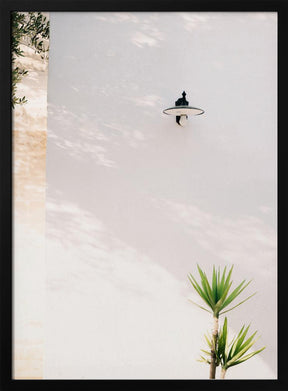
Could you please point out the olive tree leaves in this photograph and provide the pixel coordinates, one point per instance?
(30, 29)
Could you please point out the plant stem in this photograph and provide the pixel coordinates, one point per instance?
(223, 373)
(213, 348)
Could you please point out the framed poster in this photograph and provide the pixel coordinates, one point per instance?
(117, 208)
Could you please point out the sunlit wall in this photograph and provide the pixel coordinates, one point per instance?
(134, 201)
(29, 187)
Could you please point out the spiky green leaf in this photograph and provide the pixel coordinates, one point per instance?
(237, 305)
(200, 306)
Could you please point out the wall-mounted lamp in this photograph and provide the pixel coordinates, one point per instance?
(182, 110)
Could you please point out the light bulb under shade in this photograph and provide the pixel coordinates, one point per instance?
(182, 120)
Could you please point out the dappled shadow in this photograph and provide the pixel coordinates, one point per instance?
(125, 186)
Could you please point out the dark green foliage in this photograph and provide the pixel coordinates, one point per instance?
(29, 28)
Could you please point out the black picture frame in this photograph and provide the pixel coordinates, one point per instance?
(7, 383)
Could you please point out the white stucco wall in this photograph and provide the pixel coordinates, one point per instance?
(134, 201)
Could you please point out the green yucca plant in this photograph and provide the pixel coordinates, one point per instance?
(217, 297)
(207, 359)
(233, 353)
